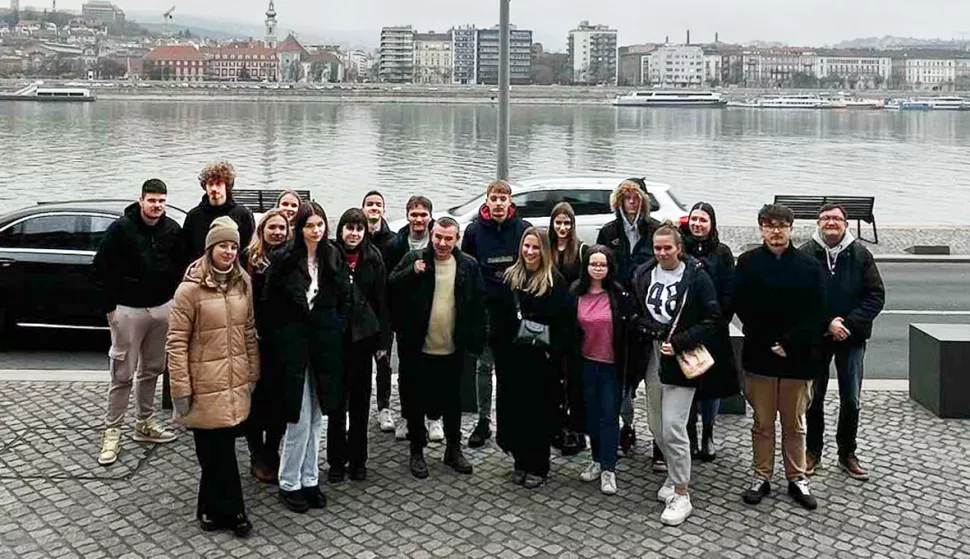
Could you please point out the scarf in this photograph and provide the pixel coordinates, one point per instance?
(832, 253)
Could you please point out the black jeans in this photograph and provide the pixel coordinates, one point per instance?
(344, 446)
(384, 382)
(849, 364)
(220, 491)
(436, 392)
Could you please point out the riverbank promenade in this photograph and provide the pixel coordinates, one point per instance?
(56, 501)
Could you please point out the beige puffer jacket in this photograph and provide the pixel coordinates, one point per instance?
(212, 350)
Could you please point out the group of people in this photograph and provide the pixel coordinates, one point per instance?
(268, 328)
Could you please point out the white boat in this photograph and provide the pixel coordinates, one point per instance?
(946, 103)
(670, 99)
(37, 92)
(843, 103)
(801, 101)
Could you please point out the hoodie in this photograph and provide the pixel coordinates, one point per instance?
(138, 265)
(199, 218)
(495, 245)
(614, 235)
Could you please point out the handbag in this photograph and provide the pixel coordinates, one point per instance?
(693, 362)
(530, 333)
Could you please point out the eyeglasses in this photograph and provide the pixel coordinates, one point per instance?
(832, 218)
(775, 226)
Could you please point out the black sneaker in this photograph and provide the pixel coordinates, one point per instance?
(758, 490)
(241, 526)
(294, 500)
(628, 439)
(315, 498)
(455, 460)
(573, 443)
(337, 473)
(801, 492)
(419, 468)
(518, 477)
(479, 435)
(358, 473)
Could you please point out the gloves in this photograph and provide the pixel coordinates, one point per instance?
(182, 405)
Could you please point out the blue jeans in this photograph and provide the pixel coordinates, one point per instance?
(849, 364)
(300, 460)
(601, 389)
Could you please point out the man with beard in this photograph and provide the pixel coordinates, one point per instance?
(217, 180)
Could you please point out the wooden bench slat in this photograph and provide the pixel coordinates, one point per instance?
(262, 200)
(857, 208)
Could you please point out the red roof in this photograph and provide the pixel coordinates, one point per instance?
(241, 51)
(292, 45)
(177, 52)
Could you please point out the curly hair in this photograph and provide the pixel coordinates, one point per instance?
(215, 172)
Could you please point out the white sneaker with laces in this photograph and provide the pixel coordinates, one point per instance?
(148, 431)
(386, 419)
(608, 483)
(666, 491)
(591, 473)
(401, 432)
(436, 432)
(110, 446)
(677, 511)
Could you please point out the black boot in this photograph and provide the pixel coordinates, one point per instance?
(692, 435)
(708, 451)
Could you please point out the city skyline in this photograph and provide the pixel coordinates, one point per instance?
(795, 23)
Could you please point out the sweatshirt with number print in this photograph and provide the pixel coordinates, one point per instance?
(698, 323)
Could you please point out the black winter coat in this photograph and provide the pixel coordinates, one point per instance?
(138, 265)
(613, 235)
(621, 304)
(854, 291)
(199, 218)
(698, 323)
(302, 338)
(415, 293)
(718, 261)
(571, 272)
(781, 300)
(368, 320)
(494, 245)
(381, 237)
(397, 246)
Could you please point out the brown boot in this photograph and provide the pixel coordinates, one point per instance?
(850, 465)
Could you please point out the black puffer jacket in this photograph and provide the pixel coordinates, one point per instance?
(698, 324)
(397, 246)
(854, 291)
(139, 265)
(199, 218)
(382, 236)
(494, 245)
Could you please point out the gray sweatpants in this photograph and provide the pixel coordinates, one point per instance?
(137, 355)
(668, 408)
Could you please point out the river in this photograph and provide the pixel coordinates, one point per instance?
(914, 163)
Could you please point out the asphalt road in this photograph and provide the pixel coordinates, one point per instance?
(916, 293)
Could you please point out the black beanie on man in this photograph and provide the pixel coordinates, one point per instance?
(154, 186)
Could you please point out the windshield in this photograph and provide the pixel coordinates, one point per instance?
(672, 192)
(467, 207)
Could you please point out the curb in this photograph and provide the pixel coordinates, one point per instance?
(923, 258)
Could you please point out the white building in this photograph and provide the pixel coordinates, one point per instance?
(675, 66)
(872, 70)
(396, 64)
(713, 68)
(103, 11)
(777, 67)
(593, 53)
(271, 39)
(923, 73)
(433, 58)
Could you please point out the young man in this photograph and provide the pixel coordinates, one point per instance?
(416, 235)
(442, 318)
(780, 297)
(855, 296)
(217, 180)
(493, 240)
(381, 235)
(630, 237)
(137, 268)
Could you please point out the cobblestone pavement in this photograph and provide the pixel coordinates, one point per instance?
(55, 501)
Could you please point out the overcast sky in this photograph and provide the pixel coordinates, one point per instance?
(794, 22)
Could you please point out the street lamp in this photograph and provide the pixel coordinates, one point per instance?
(503, 91)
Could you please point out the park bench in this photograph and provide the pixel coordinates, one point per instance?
(260, 201)
(858, 208)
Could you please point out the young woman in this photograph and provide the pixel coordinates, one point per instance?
(526, 405)
(265, 427)
(290, 204)
(569, 253)
(366, 337)
(603, 314)
(213, 362)
(306, 306)
(702, 242)
(673, 283)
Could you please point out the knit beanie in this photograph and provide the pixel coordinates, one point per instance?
(222, 229)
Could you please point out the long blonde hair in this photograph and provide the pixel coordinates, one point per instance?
(258, 259)
(517, 275)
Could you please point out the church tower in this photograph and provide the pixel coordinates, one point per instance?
(271, 40)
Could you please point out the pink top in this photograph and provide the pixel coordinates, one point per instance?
(596, 322)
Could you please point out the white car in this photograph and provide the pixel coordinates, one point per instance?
(589, 195)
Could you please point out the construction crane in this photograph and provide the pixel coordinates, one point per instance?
(166, 17)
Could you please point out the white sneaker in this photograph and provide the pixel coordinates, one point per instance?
(608, 483)
(148, 431)
(110, 446)
(436, 432)
(386, 419)
(591, 473)
(666, 491)
(401, 432)
(677, 511)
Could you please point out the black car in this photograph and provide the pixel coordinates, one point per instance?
(46, 253)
